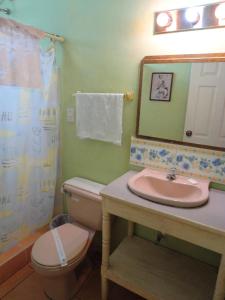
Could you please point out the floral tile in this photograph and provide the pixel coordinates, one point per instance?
(190, 161)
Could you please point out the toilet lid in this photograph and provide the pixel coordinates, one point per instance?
(73, 238)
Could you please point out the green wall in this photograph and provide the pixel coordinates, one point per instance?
(47, 15)
(171, 112)
(102, 55)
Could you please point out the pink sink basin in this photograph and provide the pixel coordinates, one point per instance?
(181, 192)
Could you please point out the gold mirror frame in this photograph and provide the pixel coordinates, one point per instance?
(183, 58)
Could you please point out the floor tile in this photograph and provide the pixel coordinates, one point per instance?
(92, 290)
(29, 289)
(15, 280)
(12, 266)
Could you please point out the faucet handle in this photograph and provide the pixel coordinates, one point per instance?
(173, 170)
(171, 174)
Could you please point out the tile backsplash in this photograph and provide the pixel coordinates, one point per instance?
(189, 161)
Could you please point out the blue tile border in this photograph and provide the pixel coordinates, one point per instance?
(189, 161)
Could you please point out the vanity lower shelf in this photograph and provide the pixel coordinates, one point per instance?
(157, 273)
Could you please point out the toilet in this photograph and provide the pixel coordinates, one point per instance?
(57, 253)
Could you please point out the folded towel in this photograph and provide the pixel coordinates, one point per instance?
(99, 116)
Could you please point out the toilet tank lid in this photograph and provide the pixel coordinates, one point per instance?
(84, 184)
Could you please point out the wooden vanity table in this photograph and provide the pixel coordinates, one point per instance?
(155, 272)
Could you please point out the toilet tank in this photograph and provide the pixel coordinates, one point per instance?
(84, 202)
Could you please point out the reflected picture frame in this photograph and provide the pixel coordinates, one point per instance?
(161, 86)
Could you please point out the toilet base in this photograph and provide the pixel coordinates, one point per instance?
(60, 287)
(67, 286)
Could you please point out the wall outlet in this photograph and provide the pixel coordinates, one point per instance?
(70, 115)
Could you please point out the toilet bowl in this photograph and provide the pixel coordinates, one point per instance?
(57, 253)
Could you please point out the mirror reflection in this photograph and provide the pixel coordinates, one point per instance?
(183, 102)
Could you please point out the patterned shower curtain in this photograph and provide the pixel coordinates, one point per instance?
(29, 129)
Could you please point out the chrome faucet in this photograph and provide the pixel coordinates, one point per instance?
(171, 174)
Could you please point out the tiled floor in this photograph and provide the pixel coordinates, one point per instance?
(30, 289)
(18, 256)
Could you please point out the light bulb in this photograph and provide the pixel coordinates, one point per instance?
(220, 11)
(164, 19)
(192, 15)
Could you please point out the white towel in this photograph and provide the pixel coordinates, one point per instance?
(99, 116)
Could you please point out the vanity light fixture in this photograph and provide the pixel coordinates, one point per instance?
(197, 17)
(164, 19)
(220, 11)
(220, 14)
(192, 15)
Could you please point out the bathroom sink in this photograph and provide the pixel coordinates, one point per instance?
(181, 192)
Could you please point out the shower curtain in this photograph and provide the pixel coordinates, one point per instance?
(29, 133)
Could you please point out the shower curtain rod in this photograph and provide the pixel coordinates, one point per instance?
(54, 37)
(32, 30)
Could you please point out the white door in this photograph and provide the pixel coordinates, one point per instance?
(205, 114)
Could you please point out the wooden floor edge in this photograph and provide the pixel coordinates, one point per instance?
(14, 280)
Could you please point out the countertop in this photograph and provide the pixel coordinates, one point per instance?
(211, 215)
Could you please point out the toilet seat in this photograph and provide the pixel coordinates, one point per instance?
(74, 240)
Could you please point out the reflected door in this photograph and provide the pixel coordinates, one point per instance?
(205, 115)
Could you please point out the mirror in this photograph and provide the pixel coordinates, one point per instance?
(182, 99)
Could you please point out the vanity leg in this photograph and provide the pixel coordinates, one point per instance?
(106, 235)
(219, 293)
(130, 228)
(105, 287)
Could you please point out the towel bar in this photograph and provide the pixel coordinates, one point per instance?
(128, 96)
